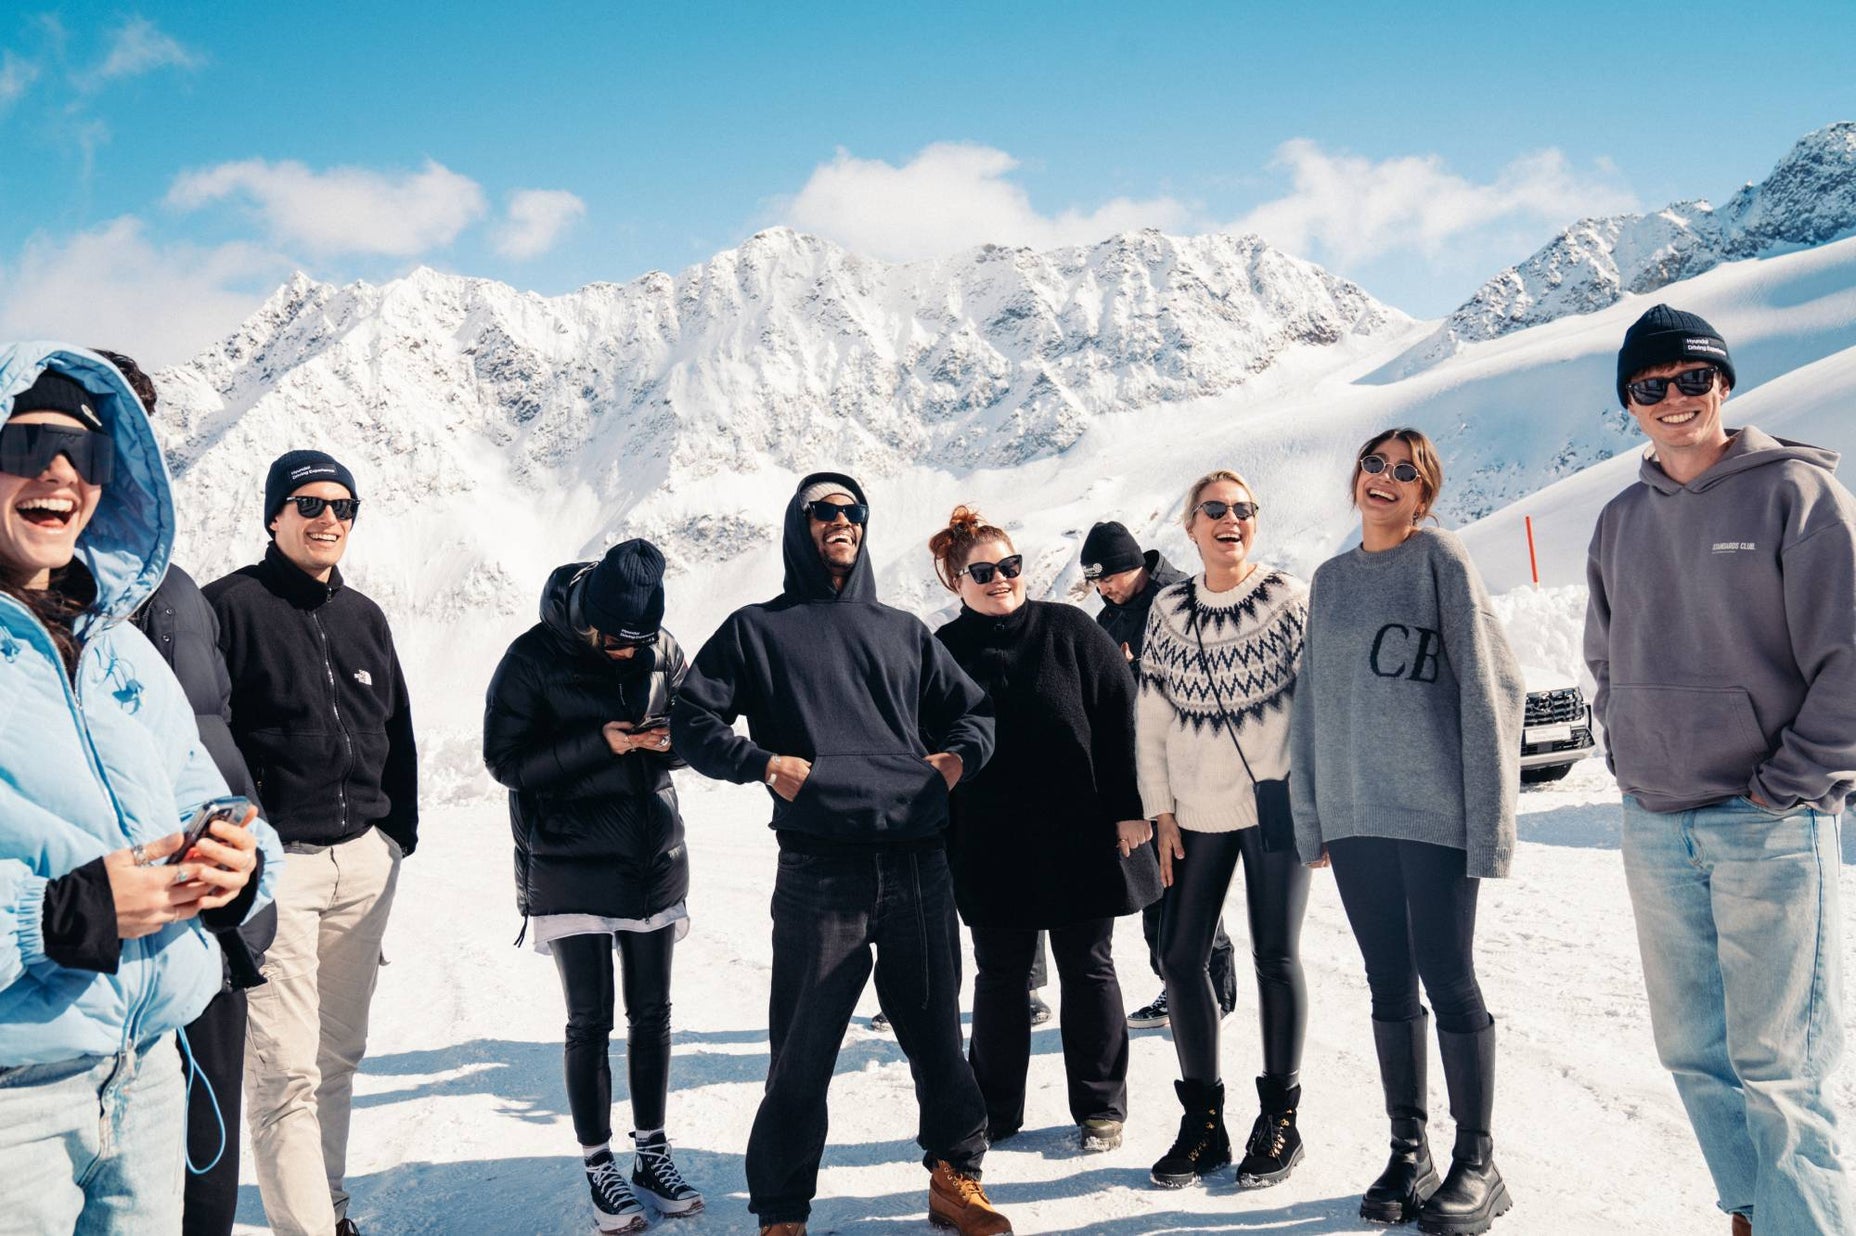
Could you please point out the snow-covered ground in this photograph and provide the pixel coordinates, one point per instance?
(461, 1123)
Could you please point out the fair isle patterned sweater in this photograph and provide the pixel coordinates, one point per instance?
(1252, 638)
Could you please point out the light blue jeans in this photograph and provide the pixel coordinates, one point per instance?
(94, 1146)
(1737, 920)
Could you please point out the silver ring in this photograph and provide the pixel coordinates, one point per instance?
(139, 854)
(180, 874)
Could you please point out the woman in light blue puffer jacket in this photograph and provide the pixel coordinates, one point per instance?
(104, 953)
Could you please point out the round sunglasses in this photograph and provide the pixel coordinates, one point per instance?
(982, 572)
(1376, 465)
(1649, 392)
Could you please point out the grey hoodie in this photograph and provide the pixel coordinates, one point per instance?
(1722, 630)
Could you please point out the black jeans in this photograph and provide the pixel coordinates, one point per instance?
(830, 910)
(217, 1040)
(585, 964)
(1276, 893)
(1220, 966)
(1094, 1029)
(1413, 913)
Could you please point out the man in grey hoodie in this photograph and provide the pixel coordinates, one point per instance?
(1722, 634)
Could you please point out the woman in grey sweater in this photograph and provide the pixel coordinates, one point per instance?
(1403, 771)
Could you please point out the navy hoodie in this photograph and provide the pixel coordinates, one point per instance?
(860, 689)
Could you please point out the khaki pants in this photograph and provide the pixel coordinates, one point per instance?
(308, 1028)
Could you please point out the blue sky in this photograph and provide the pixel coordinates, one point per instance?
(169, 164)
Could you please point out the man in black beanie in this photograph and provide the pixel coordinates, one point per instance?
(1722, 638)
(1128, 579)
(319, 711)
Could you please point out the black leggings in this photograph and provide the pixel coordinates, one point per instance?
(1276, 892)
(1413, 913)
(585, 963)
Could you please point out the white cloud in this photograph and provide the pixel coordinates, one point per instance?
(951, 196)
(344, 209)
(536, 219)
(16, 77)
(140, 47)
(113, 287)
(1345, 209)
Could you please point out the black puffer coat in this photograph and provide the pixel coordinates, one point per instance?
(595, 833)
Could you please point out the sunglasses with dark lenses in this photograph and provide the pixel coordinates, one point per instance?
(607, 642)
(982, 572)
(1402, 471)
(312, 508)
(1216, 510)
(27, 450)
(828, 512)
(1648, 391)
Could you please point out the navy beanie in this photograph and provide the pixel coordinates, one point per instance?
(295, 469)
(53, 392)
(624, 594)
(1110, 549)
(1665, 336)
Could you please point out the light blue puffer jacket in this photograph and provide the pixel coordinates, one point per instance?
(90, 767)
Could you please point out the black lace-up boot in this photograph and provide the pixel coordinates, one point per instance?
(1202, 1146)
(1274, 1147)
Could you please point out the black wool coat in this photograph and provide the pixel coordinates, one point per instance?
(595, 833)
(1033, 841)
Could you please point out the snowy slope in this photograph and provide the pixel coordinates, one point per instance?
(1809, 199)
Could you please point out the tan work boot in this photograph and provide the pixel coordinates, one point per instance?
(783, 1229)
(1742, 1226)
(956, 1201)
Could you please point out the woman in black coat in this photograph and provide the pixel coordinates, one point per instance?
(1049, 835)
(576, 727)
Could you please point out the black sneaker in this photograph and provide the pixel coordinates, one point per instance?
(1275, 1147)
(1040, 1011)
(656, 1177)
(1150, 1017)
(880, 1023)
(614, 1207)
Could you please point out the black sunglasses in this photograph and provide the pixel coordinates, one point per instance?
(828, 512)
(607, 642)
(27, 450)
(1216, 510)
(1402, 471)
(312, 508)
(1651, 391)
(981, 572)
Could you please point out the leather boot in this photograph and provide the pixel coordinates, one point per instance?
(1742, 1226)
(1202, 1146)
(1275, 1146)
(783, 1229)
(957, 1201)
(1410, 1177)
(1472, 1196)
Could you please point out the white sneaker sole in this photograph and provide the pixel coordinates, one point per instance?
(605, 1223)
(669, 1207)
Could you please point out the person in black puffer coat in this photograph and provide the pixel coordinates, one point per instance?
(576, 727)
(1049, 835)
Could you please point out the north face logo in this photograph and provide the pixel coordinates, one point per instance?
(364, 678)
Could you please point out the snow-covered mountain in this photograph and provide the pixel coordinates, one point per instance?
(1809, 199)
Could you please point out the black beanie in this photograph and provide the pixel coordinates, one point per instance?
(1110, 549)
(1665, 336)
(624, 594)
(295, 469)
(54, 392)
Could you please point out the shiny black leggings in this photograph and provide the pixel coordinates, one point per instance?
(585, 963)
(1276, 892)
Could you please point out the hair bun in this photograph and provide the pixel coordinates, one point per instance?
(966, 519)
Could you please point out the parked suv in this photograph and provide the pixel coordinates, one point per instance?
(1558, 726)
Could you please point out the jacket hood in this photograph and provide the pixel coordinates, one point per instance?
(1749, 448)
(129, 541)
(560, 607)
(806, 576)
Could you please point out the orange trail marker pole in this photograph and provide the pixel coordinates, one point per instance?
(1533, 563)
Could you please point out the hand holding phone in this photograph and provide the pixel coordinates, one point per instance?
(231, 809)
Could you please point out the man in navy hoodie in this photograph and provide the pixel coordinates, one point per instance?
(860, 723)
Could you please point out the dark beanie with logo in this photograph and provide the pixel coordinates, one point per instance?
(1110, 549)
(53, 392)
(295, 469)
(1666, 336)
(624, 594)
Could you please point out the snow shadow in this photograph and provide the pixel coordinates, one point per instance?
(1591, 827)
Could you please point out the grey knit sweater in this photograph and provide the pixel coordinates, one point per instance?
(1407, 720)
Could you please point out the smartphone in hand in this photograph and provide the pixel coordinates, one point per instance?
(232, 807)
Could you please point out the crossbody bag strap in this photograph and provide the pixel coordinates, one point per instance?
(1206, 669)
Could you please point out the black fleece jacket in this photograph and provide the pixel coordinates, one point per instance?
(1127, 624)
(862, 690)
(1033, 837)
(319, 705)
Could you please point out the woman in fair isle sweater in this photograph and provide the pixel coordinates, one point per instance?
(1404, 772)
(1217, 674)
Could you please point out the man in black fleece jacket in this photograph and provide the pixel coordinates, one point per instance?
(319, 710)
(843, 697)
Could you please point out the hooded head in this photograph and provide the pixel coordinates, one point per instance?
(826, 562)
